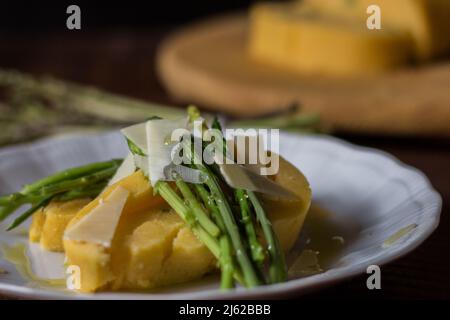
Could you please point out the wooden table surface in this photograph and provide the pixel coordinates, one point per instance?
(122, 61)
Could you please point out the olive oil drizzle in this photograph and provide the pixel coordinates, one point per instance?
(323, 244)
(17, 255)
(390, 241)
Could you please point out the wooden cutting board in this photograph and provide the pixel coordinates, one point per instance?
(207, 64)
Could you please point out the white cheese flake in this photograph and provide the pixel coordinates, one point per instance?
(126, 168)
(160, 145)
(137, 134)
(99, 225)
(141, 162)
(240, 177)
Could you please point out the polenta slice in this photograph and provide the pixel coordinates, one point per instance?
(49, 223)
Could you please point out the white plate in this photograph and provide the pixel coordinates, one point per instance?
(371, 194)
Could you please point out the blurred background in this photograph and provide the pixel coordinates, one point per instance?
(131, 59)
(114, 50)
(22, 15)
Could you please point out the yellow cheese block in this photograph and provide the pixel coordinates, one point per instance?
(153, 247)
(49, 223)
(428, 21)
(309, 42)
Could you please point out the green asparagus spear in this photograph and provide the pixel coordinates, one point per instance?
(226, 258)
(90, 192)
(74, 183)
(174, 200)
(85, 181)
(255, 247)
(277, 266)
(197, 209)
(226, 263)
(16, 198)
(29, 212)
(70, 174)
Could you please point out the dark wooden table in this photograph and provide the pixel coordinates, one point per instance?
(122, 61)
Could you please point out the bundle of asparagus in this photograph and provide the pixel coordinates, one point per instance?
(226, 220)
(81, 182)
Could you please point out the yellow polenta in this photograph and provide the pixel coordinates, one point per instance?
(49, 223)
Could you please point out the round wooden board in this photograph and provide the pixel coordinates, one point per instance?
(207, 64)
